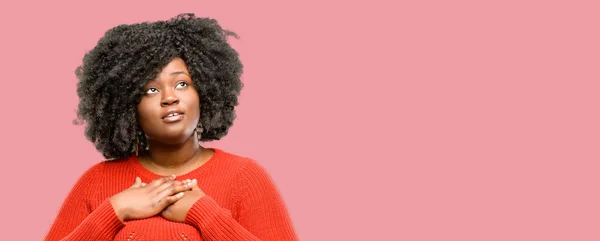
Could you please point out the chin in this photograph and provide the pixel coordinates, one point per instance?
(175, 137)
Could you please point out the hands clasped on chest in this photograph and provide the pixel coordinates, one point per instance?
(170, 198)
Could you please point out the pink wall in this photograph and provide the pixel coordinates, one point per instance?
(436, 120)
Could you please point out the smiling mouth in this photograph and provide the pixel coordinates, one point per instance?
(173, 117)
(173, 114)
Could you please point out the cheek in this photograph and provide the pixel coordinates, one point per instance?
(144, 111)
(193, 101)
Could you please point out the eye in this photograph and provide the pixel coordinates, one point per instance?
(151, 91)
(181, 85)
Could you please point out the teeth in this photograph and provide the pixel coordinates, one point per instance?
(173, 114)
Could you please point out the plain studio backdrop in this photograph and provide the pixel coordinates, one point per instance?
(378, 120)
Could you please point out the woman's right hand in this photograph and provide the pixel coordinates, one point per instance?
(143, 201)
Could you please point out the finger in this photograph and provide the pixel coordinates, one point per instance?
(137, 182)
(180, 187)
(168, 200)
(159, 181)
(177, 187)
(165, 201)
(143, 184)
(169, 185)
(194, 184)
(188, 183)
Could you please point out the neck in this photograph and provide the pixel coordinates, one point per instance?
(173, 156)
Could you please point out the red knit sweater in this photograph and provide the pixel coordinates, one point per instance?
(241, 203)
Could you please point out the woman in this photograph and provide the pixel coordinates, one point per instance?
(149, 93)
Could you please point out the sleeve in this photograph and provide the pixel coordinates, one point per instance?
(263, 213)
(76, 221)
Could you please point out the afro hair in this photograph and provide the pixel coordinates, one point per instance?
(113, 73)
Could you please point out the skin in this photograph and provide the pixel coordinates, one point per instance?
(173, 149)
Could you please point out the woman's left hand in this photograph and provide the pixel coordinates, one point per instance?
(177, 211)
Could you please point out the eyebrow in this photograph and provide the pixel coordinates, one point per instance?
(179, 72)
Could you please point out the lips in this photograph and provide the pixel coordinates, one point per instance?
(173, 115)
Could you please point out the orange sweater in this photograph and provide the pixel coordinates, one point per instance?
(241, 203)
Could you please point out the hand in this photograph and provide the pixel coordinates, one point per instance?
(177, 211)
(142, 201)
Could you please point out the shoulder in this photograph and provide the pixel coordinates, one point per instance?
(252, 180)
(248, 171)
(242, 164)
(104, 167)
(96, 174)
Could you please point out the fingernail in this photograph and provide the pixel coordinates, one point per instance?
(195, 181)
(180, 194)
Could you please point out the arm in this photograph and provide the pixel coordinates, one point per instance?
(75, 220)
(263, 214)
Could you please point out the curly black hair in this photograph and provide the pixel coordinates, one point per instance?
(114, 72)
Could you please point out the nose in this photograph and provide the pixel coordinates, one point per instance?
(169, 98)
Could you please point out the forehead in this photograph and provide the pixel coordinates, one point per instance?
(176, 65)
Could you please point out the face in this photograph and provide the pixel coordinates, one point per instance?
(169, 110)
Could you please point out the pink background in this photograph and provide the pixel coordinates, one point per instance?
(378, 120)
